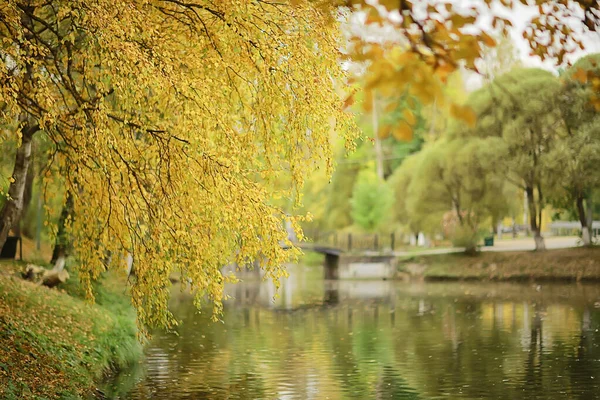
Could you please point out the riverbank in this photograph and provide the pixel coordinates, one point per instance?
(54, 344)
(574, 264)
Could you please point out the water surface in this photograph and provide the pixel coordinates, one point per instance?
(378, 340)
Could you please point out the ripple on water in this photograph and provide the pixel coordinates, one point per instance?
(384, 341)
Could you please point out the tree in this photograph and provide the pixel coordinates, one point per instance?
(399, 115)
(578, 153)
(441, 37)
(518, 108)
(400, 182)
(169, 122)
(338, 208)
(371, 200)
(458, 176)
(326, 197)
(389, 122)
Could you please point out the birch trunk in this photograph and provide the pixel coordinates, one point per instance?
(13, 207)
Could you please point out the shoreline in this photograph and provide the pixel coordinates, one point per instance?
(515, 279)
(557, 265)
(58, 345)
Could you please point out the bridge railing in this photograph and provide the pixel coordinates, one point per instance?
(353, 241)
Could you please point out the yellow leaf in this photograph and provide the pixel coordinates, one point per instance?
(390, 107)
(349, 101)
(580, 75)
(403, 131)
(487, 40)
(384, 132)
(409, 117)
(458, 21)
(444, 70)
(596, 103)
(373, 17)
(368, 101)
(464, 113)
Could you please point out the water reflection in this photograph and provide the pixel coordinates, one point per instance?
(380, 340)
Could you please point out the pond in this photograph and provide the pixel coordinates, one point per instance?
(377, 340)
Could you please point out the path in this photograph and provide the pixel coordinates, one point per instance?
(523, 244)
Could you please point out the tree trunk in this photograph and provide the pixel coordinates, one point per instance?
(585, 232)
(589, 216)
(130, 267)
(539, 241)
(27, 194)
(533, 220)
(585, 236)
(13, 207)
(11, 211)
(471, 250)
(61, 245)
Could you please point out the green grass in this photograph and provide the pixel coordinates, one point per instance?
(55, 345)
(561, 264)
(311, 259)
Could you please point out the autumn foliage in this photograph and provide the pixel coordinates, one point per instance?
(168, 121)
(173, 123)
(437, 38)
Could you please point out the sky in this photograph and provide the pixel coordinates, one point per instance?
(520, 16)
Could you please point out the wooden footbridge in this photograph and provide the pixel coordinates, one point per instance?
(350, 255)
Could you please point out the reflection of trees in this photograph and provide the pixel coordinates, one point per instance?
(332, 296)
(450, 352)
(393, 386)
(429, 347)
(533, 366)
(246, 386)
(123, 382)
(471, 345)
(583, 365)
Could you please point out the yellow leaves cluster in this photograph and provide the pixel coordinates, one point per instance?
(189, 116)
(464, 113)
(435, 45)
(439, 37)
(591, 78)
(396, 71)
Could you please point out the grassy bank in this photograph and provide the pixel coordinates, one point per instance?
(53, 344)
(562, 264)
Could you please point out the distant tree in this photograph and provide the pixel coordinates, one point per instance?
(395, 149)
(400, 182)
(371, 200)
(337, 208)
(577, 155)
(518, 107)
(400, 125)
(458, 176)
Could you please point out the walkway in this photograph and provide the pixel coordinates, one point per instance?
(522, 244)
